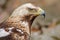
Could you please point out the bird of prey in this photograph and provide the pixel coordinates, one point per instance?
(23, 16)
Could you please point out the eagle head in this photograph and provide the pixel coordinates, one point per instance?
(28, 9)
(32, 11)
(26, 13)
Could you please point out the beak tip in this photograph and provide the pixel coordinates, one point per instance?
(43, 15)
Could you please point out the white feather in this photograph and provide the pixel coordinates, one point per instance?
(3, 33)
(21, 10)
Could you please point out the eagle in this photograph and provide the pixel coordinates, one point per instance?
(22, 18)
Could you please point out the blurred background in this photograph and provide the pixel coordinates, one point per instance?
(51, 7)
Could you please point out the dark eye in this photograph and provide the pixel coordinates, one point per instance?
(31, 9)
(46, 26)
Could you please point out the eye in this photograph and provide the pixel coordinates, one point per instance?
(46, 26)
(31, 9)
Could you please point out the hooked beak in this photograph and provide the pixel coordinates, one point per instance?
(43, 15)
(41, 12)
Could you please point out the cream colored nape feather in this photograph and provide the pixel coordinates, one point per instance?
(22, 9)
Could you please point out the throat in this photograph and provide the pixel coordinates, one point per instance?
(30, 19)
